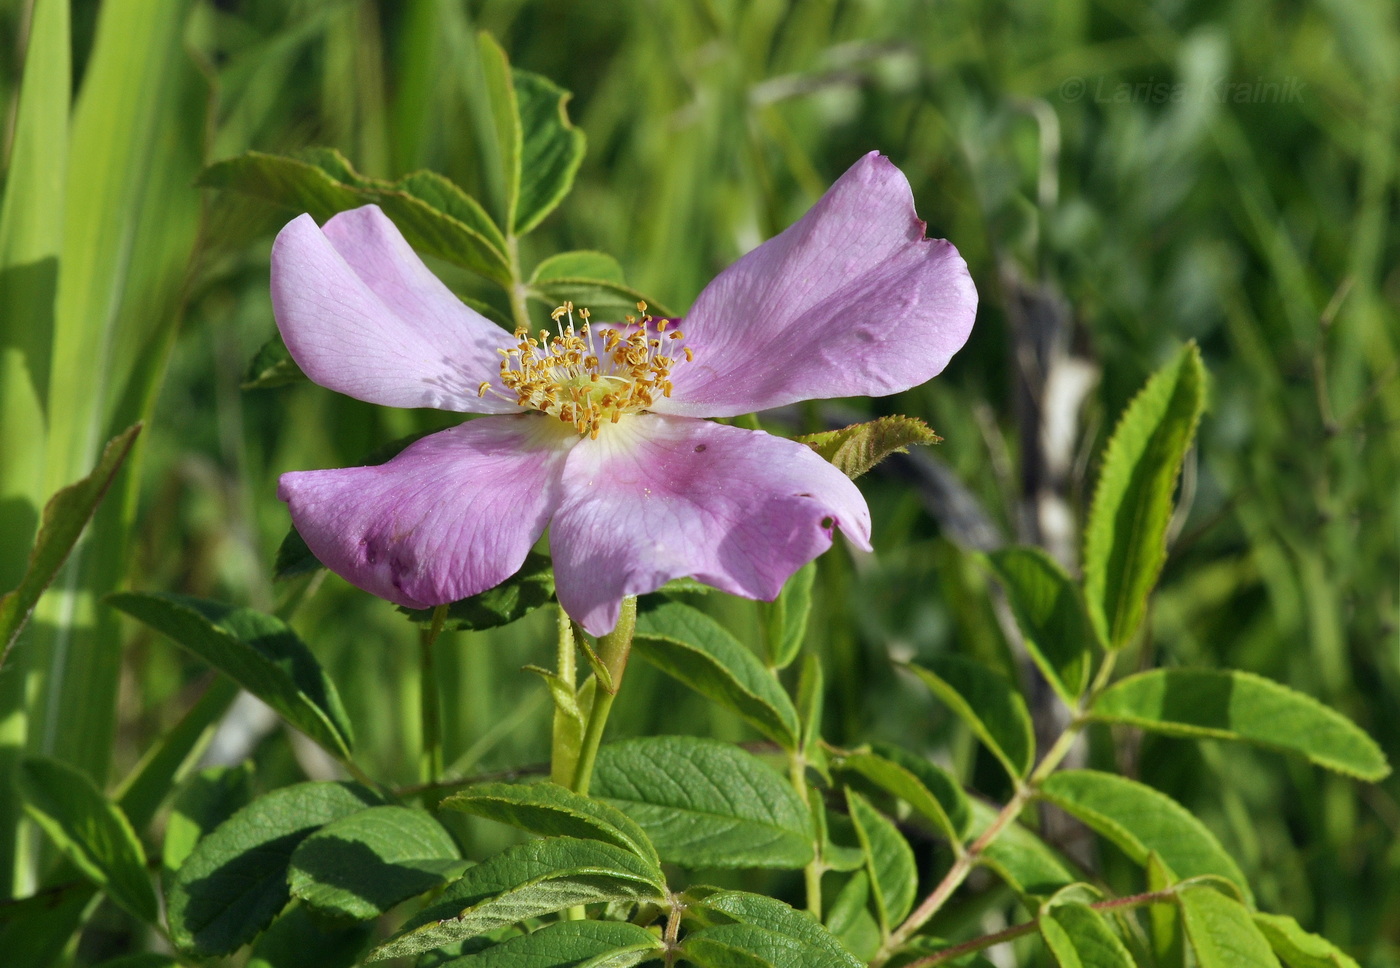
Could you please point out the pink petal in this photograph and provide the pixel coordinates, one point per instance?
(656, 498)
(362, 315)
(452, 515)
(851, 300)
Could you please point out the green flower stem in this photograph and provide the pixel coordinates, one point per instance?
(429, 702)
(1025, 791)
(564, 745)
(1033, 925)
(613, 650)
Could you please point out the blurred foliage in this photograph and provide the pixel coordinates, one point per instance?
(1146, 173)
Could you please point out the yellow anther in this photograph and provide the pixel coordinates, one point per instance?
(481, 390)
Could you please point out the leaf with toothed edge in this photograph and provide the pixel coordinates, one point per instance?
(856, 449)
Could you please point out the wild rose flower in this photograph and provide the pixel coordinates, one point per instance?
(595, 429)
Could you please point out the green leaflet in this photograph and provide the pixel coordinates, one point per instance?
(569, 944)
(522, 882)
(301, 939)
(689, 645)
(235, 881)
(551, 151)
(1298, 948)
(1079, 937)
(90, 830)
(258, 651)
(65, 516)
(705, 803)
(1125, 538)
(787, 617)
(772, 915)
(361, 865)
(926, 787)
(1221, 933)
(551, 810)
(1142, 821)
(1227, 704)
(889, 860)
(1050, 613)
(435, 216)
(989, 704)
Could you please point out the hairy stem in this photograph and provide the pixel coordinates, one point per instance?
(1025, 791)
(563, 755)
(429, 702)
(613, 650)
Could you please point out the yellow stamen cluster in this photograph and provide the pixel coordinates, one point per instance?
(587, 380)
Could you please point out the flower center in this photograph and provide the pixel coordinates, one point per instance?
(585, 378)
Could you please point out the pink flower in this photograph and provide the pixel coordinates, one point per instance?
(595, 431)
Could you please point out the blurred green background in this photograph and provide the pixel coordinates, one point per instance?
(1120, 176)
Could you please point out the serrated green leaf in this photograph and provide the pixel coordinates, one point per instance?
(1228, 704)
(1125, 538)
(989, 704)
(898, 780)
(569, 944)
(301, 939)
(360, 866)
(513, 599)
(235, 881)
(259, 652)
(65, 516)
(1079, 937)
(551, 810)
(1020, 858)
(705, 803)
(787, 617)
(1221, 932)
(209, 798)
(1142, 821)
(90, 830)
(272, 366)
(856, 449)
(526, 881)
(434, 215)
(1050, 613)
(894, 878)
(551, 149)
(687, 644)
(1298, 948)
(749, 946)
(773, 915)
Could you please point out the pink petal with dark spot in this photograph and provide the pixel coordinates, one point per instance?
(656, 498)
